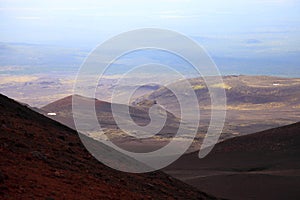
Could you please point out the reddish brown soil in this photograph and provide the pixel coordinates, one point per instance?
(42, 159)
(264, 165)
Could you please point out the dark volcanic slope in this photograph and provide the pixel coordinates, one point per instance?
(264, 165)
(42, 159)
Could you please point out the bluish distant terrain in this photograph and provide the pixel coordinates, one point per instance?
(27, 59)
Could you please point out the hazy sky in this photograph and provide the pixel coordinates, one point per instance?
(251, 21)
(231, 28)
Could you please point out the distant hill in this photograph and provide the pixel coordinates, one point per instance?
(243, 92)
(63, 110)
(264, 165)
(254, 103)
(43, 159)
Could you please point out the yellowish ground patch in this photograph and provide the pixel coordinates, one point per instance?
(17, 79)
(222, 85)
(198, 87)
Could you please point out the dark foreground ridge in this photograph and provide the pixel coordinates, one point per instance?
(42, 159)
(264, 165)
